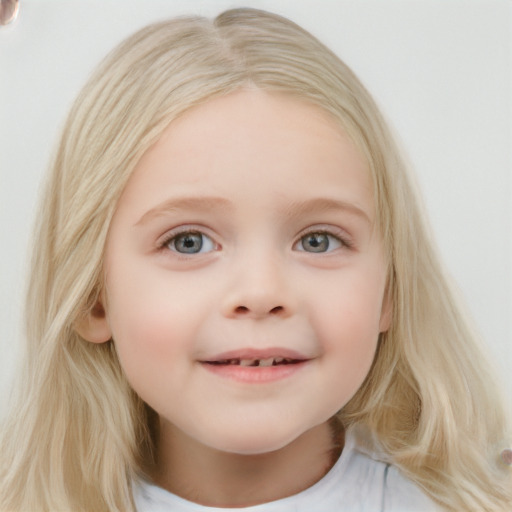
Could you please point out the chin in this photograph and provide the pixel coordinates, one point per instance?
(252, 447)
(255, 441)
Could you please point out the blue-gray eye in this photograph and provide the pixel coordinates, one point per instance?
(319, 242)
(191, 242)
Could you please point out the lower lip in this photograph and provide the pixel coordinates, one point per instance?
(255, 374)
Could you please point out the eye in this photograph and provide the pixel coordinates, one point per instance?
(319, 241)
(190, 242)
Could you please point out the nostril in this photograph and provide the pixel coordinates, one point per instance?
(243, 310)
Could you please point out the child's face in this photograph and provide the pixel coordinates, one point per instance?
(247, 234)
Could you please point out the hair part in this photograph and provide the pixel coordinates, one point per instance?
(78, 434)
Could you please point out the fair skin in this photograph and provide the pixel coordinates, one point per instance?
(245, 293)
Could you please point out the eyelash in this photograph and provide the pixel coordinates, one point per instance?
(174, 235)
(340, 236)
(336, 234)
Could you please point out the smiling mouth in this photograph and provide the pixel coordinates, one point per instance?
(270, 361)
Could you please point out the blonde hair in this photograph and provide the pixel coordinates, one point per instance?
(78, 434)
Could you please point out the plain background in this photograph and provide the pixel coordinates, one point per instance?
(441, 71)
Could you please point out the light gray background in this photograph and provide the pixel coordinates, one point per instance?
(440, 69)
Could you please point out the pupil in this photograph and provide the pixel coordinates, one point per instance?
(189, 243)
(316, 242)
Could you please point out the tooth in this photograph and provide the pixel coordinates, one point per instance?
(278, 360)
(266, 362)
(234, 361)
(246, 362)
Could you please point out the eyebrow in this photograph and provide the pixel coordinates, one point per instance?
(208, 204)
(196, 203)
(322, 205)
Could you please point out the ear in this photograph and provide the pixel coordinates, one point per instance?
(93, 326)
(386, 312)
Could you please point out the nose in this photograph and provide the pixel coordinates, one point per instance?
(259, 289)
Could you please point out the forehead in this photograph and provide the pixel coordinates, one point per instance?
(253, 144)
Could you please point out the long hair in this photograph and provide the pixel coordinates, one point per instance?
(78, 435)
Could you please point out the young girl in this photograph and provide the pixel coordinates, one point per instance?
(234, 301)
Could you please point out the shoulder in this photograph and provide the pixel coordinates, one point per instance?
(148, 497)
(402, 495)
(395, 491)
(362, 480)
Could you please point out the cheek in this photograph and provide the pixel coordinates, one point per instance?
(351, 308)
(143, 340)
(155, 319)
(348, 329)
(149, 322)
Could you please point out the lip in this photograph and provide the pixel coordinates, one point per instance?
(252, 353)
(256, 374)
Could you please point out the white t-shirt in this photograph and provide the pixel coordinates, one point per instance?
(358, 482)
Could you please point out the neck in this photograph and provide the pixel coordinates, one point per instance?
(214, 478)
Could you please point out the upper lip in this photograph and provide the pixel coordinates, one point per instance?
(257, 354)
